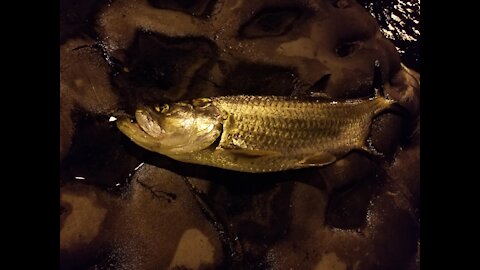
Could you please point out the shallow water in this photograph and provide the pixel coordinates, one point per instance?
(399, 21)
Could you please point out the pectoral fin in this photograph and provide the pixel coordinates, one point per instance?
(320, 159)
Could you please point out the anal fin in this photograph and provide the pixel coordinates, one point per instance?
(319, 159)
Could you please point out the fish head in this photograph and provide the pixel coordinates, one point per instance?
(175, 128)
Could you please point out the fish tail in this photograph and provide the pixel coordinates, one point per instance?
(391, 106)
(384, 105)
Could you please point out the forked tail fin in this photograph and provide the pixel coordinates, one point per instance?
(378, 89)
(388, 106)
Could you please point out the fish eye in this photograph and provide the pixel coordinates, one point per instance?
(162, 109)
(201, 102)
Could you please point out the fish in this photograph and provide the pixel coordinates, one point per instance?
(257, 134)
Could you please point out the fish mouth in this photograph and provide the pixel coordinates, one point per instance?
(143, 128)
(137, 134)
(131, 128)
(145, 119)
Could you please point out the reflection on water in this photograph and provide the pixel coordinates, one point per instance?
(399, 21)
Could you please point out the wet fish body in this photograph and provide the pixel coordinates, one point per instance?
(256, 133)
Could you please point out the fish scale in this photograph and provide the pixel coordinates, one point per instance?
(295, 120)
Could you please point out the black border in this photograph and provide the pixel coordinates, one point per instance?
(31, 105)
